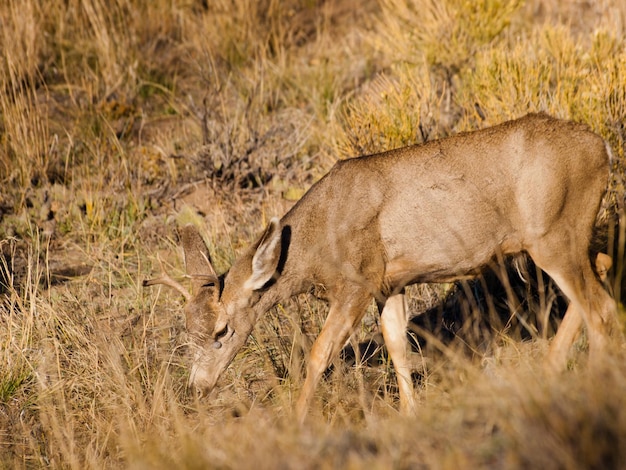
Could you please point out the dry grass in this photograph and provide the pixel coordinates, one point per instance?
(120, 120)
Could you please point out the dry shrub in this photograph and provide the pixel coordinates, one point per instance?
(491, 74)
(552, 71)
(446, 34)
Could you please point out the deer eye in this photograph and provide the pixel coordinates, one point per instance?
(209, 284)
(220, 336)
(222, 333)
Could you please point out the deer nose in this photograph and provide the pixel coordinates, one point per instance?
(199, 381)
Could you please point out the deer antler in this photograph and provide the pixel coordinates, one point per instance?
(166, 280)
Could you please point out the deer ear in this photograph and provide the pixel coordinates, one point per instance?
(266, 257)
(197, 259)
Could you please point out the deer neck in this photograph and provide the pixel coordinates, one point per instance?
(285, 287)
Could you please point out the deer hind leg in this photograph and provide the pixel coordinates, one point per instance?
(394, 321)
(564, 339)
(341, 320)
(588, 300)
(572, 323)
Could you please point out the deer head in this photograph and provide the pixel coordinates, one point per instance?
(220, 310)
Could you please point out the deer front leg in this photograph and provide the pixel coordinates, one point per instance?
(342, 317)
(394, 320)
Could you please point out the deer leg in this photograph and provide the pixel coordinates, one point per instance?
(589, 300)
(394, 320)
(572, 323)
(597, 309)
(564, 339)
(342, 317)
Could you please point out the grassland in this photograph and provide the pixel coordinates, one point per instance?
(121, 120)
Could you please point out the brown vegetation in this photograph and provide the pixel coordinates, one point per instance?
(120, 121)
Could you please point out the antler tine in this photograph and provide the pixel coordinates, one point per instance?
(166, 280)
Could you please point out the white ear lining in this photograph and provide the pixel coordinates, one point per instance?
(266, 258)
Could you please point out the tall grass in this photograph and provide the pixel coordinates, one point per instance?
(118, 120)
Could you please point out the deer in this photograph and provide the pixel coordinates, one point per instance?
(434, 212)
